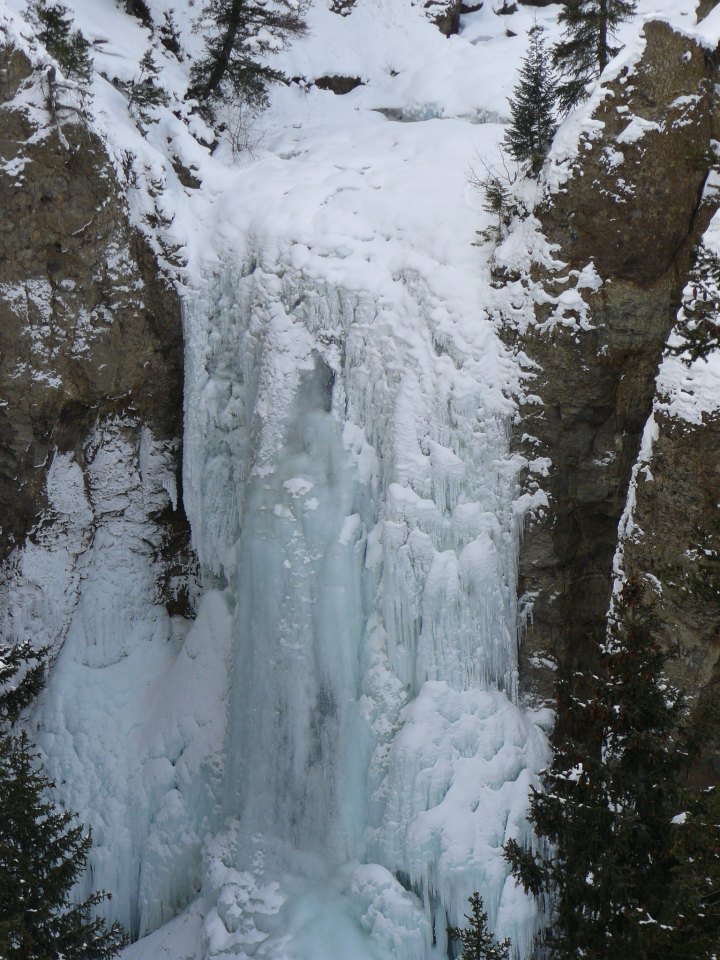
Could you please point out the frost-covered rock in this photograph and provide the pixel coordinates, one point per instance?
(94, 542)
(88, 327)
(672, 528)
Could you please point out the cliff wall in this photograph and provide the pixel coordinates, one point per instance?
(623, 226)
(90, 330)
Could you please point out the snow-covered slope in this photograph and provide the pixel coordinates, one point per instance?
(329, 759)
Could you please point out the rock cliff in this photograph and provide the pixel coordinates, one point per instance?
(90, 331)
(622, 227)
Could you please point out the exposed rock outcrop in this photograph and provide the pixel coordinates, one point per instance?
(445, 14)
(339, 85)
(624, 225)
(676, 539)
(90, 331)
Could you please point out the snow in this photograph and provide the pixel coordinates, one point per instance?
(707, 31)
(330, 757)
(627, 527)
(690, 389)
(636, 130)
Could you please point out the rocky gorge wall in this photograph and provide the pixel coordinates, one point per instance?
(623, 227)
(90, 330)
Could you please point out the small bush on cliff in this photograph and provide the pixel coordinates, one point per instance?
(68, 46)
(532, 106)
(587, 44)
(145, 92)
(621, 873)
(495, 186)
(698, 328)
(477, 941)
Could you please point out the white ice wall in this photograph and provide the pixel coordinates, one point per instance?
(351, 483)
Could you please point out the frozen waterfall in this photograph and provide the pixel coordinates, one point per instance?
(333, 752)
(347, 476)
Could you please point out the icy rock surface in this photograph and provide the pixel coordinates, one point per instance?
(114, 723)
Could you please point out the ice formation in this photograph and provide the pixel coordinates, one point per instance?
(347, 475)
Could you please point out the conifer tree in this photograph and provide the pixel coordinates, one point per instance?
(170, 35)
(532, 106)
(694, 924)
(478, 943)
(22, 675)
(145, 93)
(587, 44)
(241, 33)
(609, 801)
(68, 46)
(497, 199)
(43, 850)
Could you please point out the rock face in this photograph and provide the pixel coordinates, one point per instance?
(445, 14)
(89, 330)
(338, 84)
(624, 226)
(676, 539)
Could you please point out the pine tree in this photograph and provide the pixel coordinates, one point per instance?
(693, 923)
(497, 200)
(145, 93)
(532, 106)
(43, 851)
(478, 943)
(609, 800)
(242, 33)
(170, 35)
(587, 47)
(22, 675)
(68, 46)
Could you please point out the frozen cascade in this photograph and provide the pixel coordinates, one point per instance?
(348, 478)
(328, 759)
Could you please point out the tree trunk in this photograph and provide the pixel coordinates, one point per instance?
(228, 43)
(603, 34)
